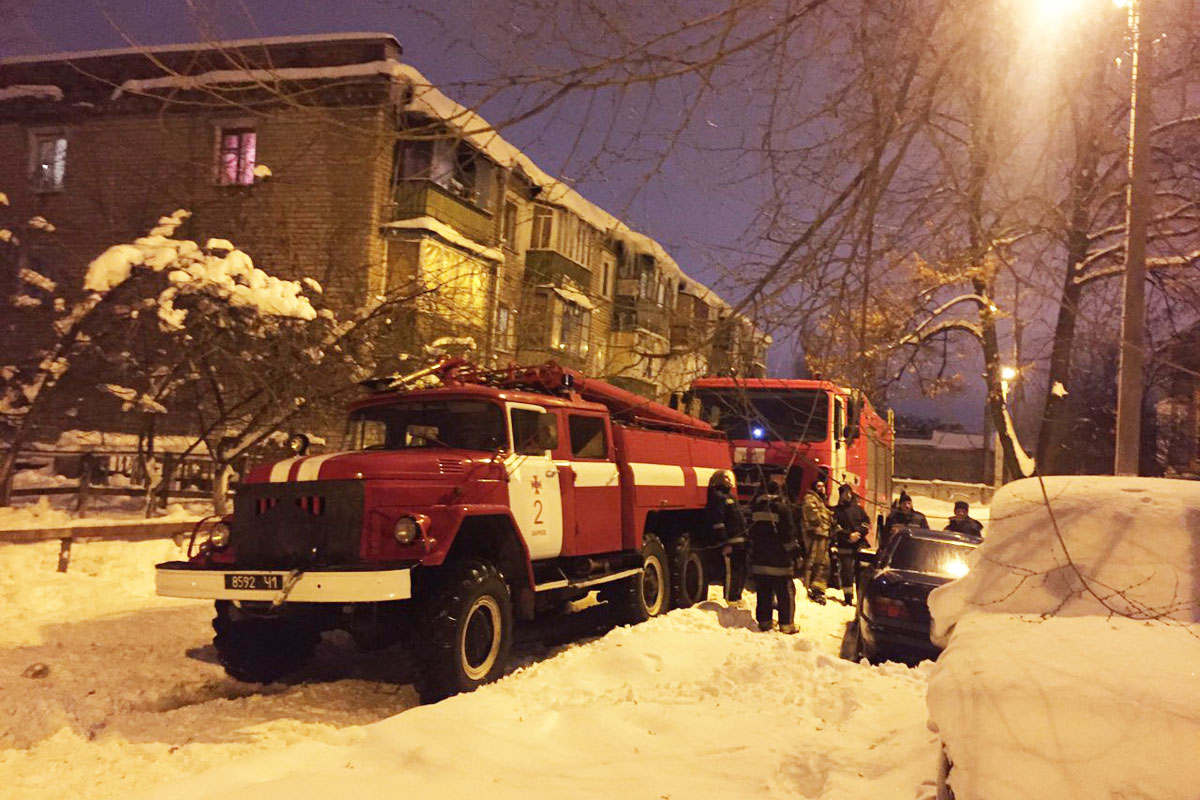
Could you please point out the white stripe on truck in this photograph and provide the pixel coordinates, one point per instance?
(591, 474)
(657, 474)
(279, 471)
(310, 468)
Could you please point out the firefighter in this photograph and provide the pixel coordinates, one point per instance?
(774, 548)
(729, 531)
(851, 525)
(817, 521)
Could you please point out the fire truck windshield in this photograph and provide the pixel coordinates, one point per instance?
(792, 415)
(463, 424)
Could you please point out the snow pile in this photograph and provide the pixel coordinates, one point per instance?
(131, 703)
(694, 704)
(1072, 644)
(19, 91)
(231, 276)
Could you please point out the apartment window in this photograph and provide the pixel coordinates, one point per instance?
(235, 160)
(454, 165)
(543, 227)
(510, 224)
(48, 161)
(504, 328)
(606, 277)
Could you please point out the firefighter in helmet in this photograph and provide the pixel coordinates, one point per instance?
(774, 548)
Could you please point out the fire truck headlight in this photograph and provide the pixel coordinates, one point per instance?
(406, 530)
(220, 537)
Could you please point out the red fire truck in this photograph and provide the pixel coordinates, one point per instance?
(801, 430)
(453, 510)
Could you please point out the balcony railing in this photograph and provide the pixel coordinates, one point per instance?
(415, 198)
(630, 313)
(547, 266)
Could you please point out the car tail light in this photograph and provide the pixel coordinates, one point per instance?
(889, 607)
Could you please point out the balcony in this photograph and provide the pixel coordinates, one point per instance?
(630, 313)
(549, 266)
(416, 198)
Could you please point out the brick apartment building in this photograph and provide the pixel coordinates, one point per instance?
(326, 156)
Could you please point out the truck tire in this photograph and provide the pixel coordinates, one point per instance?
(260, 650)
(647, 594)
(689, 580)
(464, 631)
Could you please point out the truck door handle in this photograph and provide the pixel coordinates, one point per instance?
(550, 473)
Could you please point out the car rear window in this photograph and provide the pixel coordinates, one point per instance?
(933, 558)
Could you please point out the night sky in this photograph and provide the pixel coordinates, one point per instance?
(691, 202)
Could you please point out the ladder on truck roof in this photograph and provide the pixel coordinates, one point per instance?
(550, 378)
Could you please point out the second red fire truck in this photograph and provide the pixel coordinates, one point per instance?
(801, 429)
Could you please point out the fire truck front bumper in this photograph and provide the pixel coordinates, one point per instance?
(183, 579)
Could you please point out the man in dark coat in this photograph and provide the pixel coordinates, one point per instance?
(902, 517)
(774, 548)
(729, 530)
(851, 525)
(962, 521)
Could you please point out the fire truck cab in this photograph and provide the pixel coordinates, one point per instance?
(454, 509)
(800, 429)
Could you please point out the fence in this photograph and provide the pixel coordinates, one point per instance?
(119, 531)
(950, 491)
(114, 471)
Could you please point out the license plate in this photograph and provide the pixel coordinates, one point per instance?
(254, 582)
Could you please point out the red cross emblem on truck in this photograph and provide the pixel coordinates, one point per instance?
(536, 484)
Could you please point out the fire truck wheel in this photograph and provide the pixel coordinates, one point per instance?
(260, 650)
(689, 583)
(647, 594)
(464, 633)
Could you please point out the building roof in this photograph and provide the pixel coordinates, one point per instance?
(186, 47)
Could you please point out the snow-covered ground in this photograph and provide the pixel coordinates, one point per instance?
(112, 692)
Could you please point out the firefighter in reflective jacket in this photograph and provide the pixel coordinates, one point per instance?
(817, 521)
(774, 548)
(729, 532)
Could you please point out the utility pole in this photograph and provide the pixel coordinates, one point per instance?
(1137, 211)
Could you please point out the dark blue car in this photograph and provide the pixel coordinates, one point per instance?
(892, 620)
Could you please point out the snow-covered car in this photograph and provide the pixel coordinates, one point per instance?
(1071, 666)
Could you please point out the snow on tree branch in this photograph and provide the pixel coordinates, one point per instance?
(231, 276)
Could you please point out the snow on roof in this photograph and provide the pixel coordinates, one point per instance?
(1132, 541)
(252, 76)
(570, 295)
(41, 91)
(186, 46)
(448, 233)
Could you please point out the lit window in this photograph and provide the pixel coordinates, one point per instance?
(49, 164)
(235, 161)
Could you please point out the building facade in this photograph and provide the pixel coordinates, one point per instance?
(329, 157)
